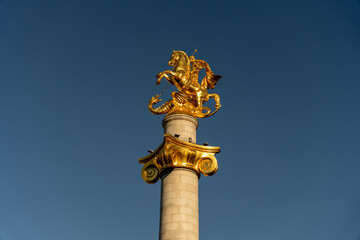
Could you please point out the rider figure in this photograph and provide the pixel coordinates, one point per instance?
(195, 68)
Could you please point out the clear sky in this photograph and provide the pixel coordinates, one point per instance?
(75, 80)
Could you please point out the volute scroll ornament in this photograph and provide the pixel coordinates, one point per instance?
(208, 165)
(150, 173)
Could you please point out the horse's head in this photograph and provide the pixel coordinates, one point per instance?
(174, 58)
(179, 58)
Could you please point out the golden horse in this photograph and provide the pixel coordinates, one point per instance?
(184, 77)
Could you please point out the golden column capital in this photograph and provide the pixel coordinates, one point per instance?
(174, 153)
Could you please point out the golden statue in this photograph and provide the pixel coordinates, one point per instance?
(191, 95)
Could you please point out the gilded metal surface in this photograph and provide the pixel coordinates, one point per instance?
(176, 153)
(191, 95)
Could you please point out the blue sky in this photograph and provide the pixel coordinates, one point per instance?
(75, 80)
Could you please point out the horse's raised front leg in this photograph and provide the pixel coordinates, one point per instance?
(164, 74)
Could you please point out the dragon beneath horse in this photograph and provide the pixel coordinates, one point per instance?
(191, 95)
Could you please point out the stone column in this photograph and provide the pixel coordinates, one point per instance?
(179, 216)
(179, 163)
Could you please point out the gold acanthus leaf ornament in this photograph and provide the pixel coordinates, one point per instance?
(174, 153)
(192, 94)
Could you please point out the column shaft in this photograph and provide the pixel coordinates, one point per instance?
(179, 217)
(179, 205)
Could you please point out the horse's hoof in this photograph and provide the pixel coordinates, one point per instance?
(217, 105)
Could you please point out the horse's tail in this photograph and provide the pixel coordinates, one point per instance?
(164, 108)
